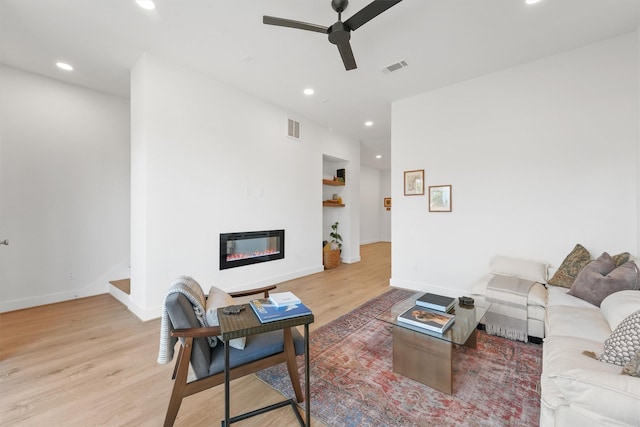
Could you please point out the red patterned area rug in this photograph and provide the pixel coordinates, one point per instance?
(353, 384)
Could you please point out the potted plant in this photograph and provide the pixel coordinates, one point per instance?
(333, 248)
(336, 238)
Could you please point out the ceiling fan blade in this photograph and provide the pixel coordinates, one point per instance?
(347, 56)
(369, 12)
(281, 22)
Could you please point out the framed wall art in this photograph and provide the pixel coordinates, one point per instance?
(387, 203)
(439, 198)
(414, 183)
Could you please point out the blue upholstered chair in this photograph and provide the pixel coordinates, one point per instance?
(260, 352)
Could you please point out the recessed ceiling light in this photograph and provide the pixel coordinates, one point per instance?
(532, 1)
(378, 156)
(146, 4)
(64, 66)
(308, 91)
(368, 123)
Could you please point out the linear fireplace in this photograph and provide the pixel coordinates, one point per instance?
(250, 247)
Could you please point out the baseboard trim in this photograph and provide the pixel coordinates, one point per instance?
(21, 304)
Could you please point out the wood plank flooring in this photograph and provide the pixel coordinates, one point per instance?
(90, 362)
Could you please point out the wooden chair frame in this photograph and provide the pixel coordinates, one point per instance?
(182, 388)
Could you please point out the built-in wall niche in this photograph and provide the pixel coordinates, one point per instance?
(335, 198)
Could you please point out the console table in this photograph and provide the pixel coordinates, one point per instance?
(246, 323)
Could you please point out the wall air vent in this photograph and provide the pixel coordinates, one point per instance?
(293, 129)
(394, 67)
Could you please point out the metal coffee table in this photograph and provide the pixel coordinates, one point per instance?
(426, 356)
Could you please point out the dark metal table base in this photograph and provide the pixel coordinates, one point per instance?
(282, 404)
(307, 398)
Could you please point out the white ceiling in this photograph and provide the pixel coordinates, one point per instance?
(443, 41)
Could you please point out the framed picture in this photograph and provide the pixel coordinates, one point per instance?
(440, 198)
(414, 182)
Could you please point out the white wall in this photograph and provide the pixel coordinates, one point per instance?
(386, 215)
(64, 190)
(375, 219)
(210, 159)
(370, 203)
(540, 156)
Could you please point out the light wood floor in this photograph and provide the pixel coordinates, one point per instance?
(90, 362)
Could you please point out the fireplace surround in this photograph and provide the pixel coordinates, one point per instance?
(250, 247)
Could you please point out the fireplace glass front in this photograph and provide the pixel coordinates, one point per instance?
(251, 247)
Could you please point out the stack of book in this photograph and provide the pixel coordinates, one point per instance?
(431, 312)
(436, 302)
(279, 306)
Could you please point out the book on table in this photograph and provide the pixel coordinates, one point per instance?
(283, 299)
(426, 318)
(436, 302)
(267, 311)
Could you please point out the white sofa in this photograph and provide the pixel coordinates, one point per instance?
(578, 390)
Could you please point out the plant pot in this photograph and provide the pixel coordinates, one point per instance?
(330, 259)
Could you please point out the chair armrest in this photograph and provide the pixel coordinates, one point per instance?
(248, 292)
(197, 332)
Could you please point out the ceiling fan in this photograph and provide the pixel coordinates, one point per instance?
(340, 32)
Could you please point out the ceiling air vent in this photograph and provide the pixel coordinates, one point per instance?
(394, 67)
(293, 129)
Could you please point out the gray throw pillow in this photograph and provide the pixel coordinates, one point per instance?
(601, 278)
(624, 343)
(577, 259)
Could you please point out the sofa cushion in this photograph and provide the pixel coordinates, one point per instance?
(601, 278)
(219, 298)
(613, 396)
(624, 342)
(562, 353)
(557, 295)
(570, 267)
(618, 306)
(522, 268)
(580, 322)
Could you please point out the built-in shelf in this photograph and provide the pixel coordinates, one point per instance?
(333, 205)
(331, 182)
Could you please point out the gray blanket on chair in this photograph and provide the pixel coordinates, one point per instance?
(507, 316)
(193, 292)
